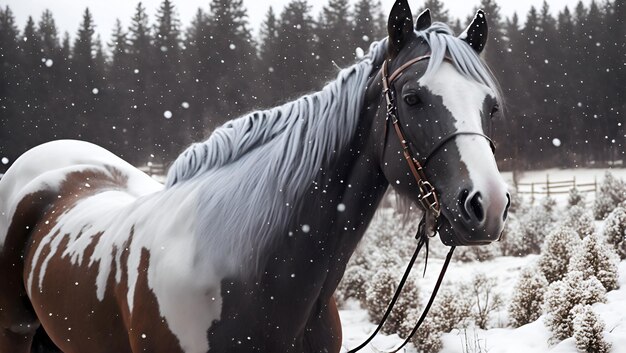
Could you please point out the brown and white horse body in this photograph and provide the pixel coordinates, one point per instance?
(106, 231)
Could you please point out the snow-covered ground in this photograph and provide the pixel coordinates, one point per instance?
(533, 337)
(529, 338)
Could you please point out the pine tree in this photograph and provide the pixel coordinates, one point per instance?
(170, 134)
(562, 296)
(575, 198)
(332, 31)
(527, 301)
(588, 331)
(546, 88)
(537, 223)
(580, 220)
(596, 258)
(438, 10)
(119, 84)
(612, 192)
(51, 75)
(556, 253)
(566, 51)
(270, 62)
(142, 65)
(365, 28)
(10, 80)
(231, 56)
(615, 230)
(298, 63)
(195, 43)
(494, 49)
(84, 79)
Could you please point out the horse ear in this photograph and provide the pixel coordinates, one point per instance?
(399, 26)
(476, 33)
(423, 20)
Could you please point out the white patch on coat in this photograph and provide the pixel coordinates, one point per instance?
(163, 222)
(464, 99)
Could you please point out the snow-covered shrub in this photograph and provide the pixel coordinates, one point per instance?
(588, 331)
(476, 252)
(485, 299)
(536, 225)
(512, 241)
(452, 309)
(596, 258)
(615, 230)
(428, 338)
(517, 204)
(580, 220)
(527, 301)
(353, 284)
(562, 296)
(612, 192)
(380, 291)
(575, 197)
(557, 252)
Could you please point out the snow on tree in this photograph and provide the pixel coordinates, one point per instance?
(451, 310)
(380, 290)
(353, 284)
(528, 294)
(580, 220)
(557, 252)
(615, 230)
(612, 192)
(476, 252)
(575, 197)
(588, 331)
(512, 241)
(536, 225)
(596, 258)
(562, 296)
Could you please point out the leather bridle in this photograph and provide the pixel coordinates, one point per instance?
(427, 196)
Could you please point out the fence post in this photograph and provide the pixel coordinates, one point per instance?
(574, 181)
(548, 185)
(532, 192)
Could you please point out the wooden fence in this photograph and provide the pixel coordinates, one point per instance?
(555, 187)
(153, 169)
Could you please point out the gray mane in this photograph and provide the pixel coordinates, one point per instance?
(251, 172)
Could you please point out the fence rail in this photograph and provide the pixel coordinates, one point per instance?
(153, 169)
(555, 187)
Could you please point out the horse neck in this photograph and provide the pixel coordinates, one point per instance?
(336, 212)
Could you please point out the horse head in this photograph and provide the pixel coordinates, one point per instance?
(441, 100)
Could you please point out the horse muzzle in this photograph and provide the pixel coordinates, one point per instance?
(475, 216)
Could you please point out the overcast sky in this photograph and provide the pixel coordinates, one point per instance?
(68, 13)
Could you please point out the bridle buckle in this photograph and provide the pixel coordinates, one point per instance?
(428, 197)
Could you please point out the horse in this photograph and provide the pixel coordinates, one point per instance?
(243, 246)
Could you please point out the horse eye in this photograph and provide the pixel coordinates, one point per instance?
(411, 99)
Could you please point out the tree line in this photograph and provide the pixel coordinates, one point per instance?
(152, 88)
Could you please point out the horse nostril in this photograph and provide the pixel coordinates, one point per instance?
(506, 209)
(476, 207)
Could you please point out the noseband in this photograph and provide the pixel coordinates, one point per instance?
(427, 194)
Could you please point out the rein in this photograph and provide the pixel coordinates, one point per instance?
(427, 196)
